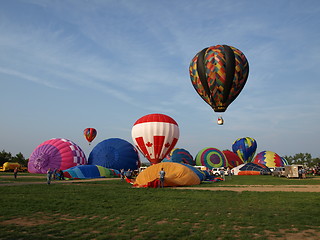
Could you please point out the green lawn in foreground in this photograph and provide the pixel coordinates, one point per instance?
(114, 210)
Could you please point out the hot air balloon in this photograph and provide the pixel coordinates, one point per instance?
(90, 134)
(245, 148)
(232, 159)
(211, 158)
(155, 135)
(177, 174)
(218, 74)
(115, 153)
(268, 158)
(57, 153)
(180, 155)
(90, 171)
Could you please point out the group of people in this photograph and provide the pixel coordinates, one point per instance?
(302, 173)
(56, 174)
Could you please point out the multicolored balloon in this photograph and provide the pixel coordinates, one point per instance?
(218, 74)
(211, 158)
(90, 134)
(180, 155)
(155, 135)
(284, 161)
(232, 159)
(245, 148)
(177, 174)
(57, 153)
(90, 171)
(115, 153)
(268, 158)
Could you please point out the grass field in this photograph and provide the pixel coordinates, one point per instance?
(114, 210)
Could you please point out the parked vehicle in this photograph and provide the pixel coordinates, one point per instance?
(279, 172)
(202, 168)
(292, 171)
(10, 166)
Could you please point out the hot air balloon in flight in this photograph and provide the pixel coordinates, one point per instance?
(155, 135)
(56, 153)
(218, 74)
(90, 134)
(245, 148)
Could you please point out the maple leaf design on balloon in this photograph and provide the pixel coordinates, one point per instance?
(167, 145)
(149, 144)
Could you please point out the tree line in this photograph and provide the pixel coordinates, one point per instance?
(8, 157)
(299, 158)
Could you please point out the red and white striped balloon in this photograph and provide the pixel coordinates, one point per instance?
(155, 135)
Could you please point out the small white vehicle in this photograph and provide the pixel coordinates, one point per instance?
(278, 172)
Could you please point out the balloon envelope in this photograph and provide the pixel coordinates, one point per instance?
(245, 148)
(233, 159)
(155, 135)
(180, 155)
(176, 175)
(115, 153)
(90, 171)
(90, 134)
(269, 159)
(251, 169)
(218, 74)
(57, 153)
(211, 158)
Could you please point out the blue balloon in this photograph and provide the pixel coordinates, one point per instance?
(115, 153)
(180, 155)
(245, 148)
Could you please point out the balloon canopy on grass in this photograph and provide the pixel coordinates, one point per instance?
(177, 174)
(155, 135)
(115, 153)
(268, 158)
(233, 159)
(180, 155)
(211, 158)
(90, 171)
(56, 153)
(245, 148)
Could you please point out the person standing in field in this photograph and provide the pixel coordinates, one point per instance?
(222, 174)
(49, 176)
(162, 174)
(15, 172)
(122, 174)
(229, 172)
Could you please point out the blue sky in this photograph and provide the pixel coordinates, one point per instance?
(67, 65)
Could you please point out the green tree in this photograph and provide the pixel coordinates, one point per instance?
(303, 159)
(19, 158)
(5, 157)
